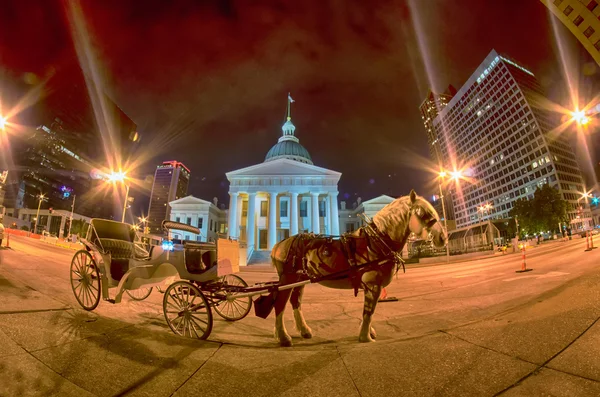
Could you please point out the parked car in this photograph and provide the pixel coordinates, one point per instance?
(1, 233)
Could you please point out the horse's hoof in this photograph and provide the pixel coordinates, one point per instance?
(373, 333)
(366, 339)
(286, 342)
(306, 333)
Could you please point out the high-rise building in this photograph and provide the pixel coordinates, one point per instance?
(430, 108)
(582, 18)
(171, 181)
(496, 126)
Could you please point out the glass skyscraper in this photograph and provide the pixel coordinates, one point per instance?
(496, 126)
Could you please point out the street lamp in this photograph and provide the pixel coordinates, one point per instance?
(2, 122)
(41, 198)
(143, 220)
(120, 177)
(454, 175)
(579, 117)
(486, 207)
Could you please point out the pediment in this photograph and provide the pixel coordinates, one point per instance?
(189, 200)
(282, 167)
(383, 199)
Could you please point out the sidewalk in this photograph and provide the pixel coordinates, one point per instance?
(546, 346)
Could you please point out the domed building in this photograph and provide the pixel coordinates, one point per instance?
(284, 195)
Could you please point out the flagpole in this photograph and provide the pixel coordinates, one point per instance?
(289, 116)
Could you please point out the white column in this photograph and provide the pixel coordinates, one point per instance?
(233, 218)
(294, 214)
(315, 225)
(327, 215)
(272, 220)
(240, 202)
(333, 213)
(250, 221)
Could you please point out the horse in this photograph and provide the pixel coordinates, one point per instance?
(309, 255)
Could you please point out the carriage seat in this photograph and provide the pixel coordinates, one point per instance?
(120, 249)
(199, 257)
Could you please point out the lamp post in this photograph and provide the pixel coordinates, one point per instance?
(120, 177)
(71, 219)
(442, 175)
(41, 198)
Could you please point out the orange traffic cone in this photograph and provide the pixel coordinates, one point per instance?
(524, 265)
(587, 242)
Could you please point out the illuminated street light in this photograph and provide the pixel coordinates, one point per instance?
(41, 197)
(442, 174)
(2, 122)
(456, 175)
(579, 117)
(120, 177)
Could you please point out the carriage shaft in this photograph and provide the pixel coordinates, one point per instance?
(232, 297)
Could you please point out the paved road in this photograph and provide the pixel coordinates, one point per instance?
(472, 328)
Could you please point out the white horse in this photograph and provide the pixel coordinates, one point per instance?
(317, 256)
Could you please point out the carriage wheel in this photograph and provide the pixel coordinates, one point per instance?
(187, 311)
(139, 294)
(85, 280)
(236, 309)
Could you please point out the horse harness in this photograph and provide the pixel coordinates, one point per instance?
(377, 242)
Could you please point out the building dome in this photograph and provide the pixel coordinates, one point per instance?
(289, 149)
(288, 146)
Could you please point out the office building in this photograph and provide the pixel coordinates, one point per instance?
(430, 108)
(582, 18)
(171, 181)
(495, 125)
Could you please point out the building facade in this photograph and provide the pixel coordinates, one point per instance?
(582, 18)
(496, 127)
(430, 108)
(285, 195)
(206, 216)
(171, 181)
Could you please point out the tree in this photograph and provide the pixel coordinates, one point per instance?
(550, 208)
(543, 213)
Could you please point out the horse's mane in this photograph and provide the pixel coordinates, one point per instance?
(393, 216)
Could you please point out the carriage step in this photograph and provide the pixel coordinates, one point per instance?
(110, 301)
(390, 299)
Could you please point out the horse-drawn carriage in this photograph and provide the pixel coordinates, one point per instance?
(115, 259)
(365, 259)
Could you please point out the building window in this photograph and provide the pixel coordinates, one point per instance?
(592, 5)
(589, 31)
(283, 209)
(178, 219)
(210, 225)
(578, 20)
(263, 208)
(304, 209)
(558, 2)
(200, 223)
(322, 208)
(349, 227)
(567, 11)
(189, 221)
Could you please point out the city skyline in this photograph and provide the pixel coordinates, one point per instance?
(336, 107)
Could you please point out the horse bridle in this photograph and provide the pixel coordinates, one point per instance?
(421, 213)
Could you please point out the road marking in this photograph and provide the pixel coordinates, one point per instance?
(537, 276)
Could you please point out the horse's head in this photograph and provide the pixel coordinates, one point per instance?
(424, 221)
(410, 214)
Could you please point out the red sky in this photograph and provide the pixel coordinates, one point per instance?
(218, 74)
